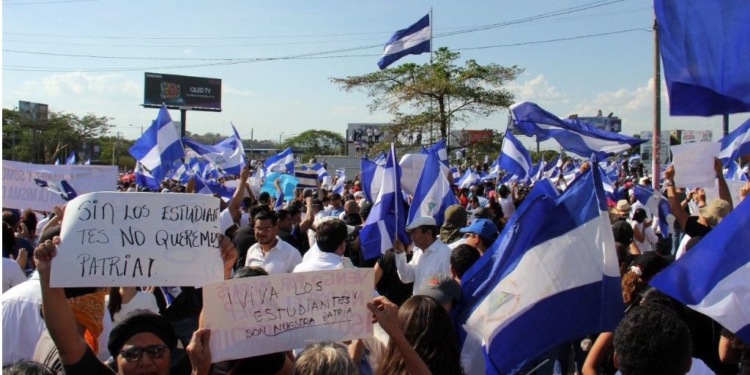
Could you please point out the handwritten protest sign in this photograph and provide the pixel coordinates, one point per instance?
(268, 314)
(20, 191)
(694, 164)
(133, 239)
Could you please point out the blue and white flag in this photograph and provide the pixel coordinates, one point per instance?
(495, 167)
(371, 178)
(279, 202)
(338, 186)
(737, 173)
(712, 278)
(455, 174)
(536, 171)
(514, 158)
(468, 179)
(62, 188)
(514, 294)
(212, 187)
(575, 136)
(159, 146)
(387, 217)
(413, 40)
(71, 159)
(735, 144)
(654, 202)
(87, 162)
(380, 158)
(228, 155)
(549, 167)
(281, 162)
(320, 172)
(144, 178)
(433, 193)
(440, 149)
(57, 161)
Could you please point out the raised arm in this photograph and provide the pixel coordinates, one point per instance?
(385, 312)
(723, 188)
(239, 194)
(60, 321)
(679, 213)
(309, 217)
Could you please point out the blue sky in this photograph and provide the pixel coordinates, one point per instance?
(612, 73)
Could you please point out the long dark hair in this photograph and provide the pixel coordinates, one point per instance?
(115, 301)
(429, 329)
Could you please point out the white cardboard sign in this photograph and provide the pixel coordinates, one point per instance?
(268, 314)
(139, 239)
(694, 164)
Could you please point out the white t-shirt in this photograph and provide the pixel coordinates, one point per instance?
(282, 258)
(650, 238)
(507, 205)
(434, 259)
(12, 274)
(21, 322)
(141, 301)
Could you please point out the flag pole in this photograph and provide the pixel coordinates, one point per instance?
(398, 197)
(655, 137)
(432, 122)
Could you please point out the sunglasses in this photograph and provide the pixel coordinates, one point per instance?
(134, 353)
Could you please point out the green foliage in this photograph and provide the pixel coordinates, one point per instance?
(440, 93)
(44, 141)
(315, 143)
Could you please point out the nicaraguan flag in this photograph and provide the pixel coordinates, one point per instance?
(380, 158)
(413, 40)
(159, 146)
(442, 152)
(735, 144)
(577, 137)
(371, 178)
(712, 278)
(144, 178)
(468, 179)
(212, 187)
(655, 202)
(514, 158)
(536, 171)
(62, 188)
(387, 216)
(735, 172)
(228, 155)
(338, 187)
(495, 167)
(524, 296)
(317, 169)
(71, 160)
(433, 193)
(279, 203)
(455, 174)
(706, 72)
(281, 162)
(550, 166)
(57, 161)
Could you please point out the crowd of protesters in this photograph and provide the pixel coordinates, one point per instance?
(155, 330)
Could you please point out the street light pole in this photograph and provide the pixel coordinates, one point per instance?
(280, 136)
(137, 127)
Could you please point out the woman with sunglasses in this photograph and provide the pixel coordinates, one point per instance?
(141, 344)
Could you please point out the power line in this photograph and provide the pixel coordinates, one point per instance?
(311, 56)
(47, 2)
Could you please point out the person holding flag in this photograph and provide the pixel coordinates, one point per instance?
(430, 255)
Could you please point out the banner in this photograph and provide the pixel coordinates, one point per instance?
(21, 192)
(268, 314)
(139, 239)
(177, 92)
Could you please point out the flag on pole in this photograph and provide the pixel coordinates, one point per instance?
(159, 146)
(281, 162)
(575, 136)
(144, 178)
(212, 187)
(706, 73)
(413, 40)
(433, 193)
(735, 144)
(57, 161)
(712, 278)
(228, 155)
(338, 187)
(63, 188)
(371, 178)
(655, 202)
(514, 158)
(524, 296)
(387, 216)
(87, 162)
(71, 159)
(469, 178)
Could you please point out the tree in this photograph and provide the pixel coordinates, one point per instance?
(440, 93)
(44, 141)
(316, 142)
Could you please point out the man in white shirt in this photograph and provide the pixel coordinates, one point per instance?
(12, 274)
(430, 254)
(330, 240)
(21, 321)
(270, 252)
(506, 201)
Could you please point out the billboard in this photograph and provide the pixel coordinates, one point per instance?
(610, 124)
(182, 92)
(465, 138)
(646, 148)
(693, 136)
(33, 111)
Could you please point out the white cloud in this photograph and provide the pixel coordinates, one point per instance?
(537, 90)
(188, 51)
(343, 109)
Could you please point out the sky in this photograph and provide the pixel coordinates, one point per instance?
(569, 67)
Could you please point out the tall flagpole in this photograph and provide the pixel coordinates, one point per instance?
(655, 137)
(432, 122)
(398, 197)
